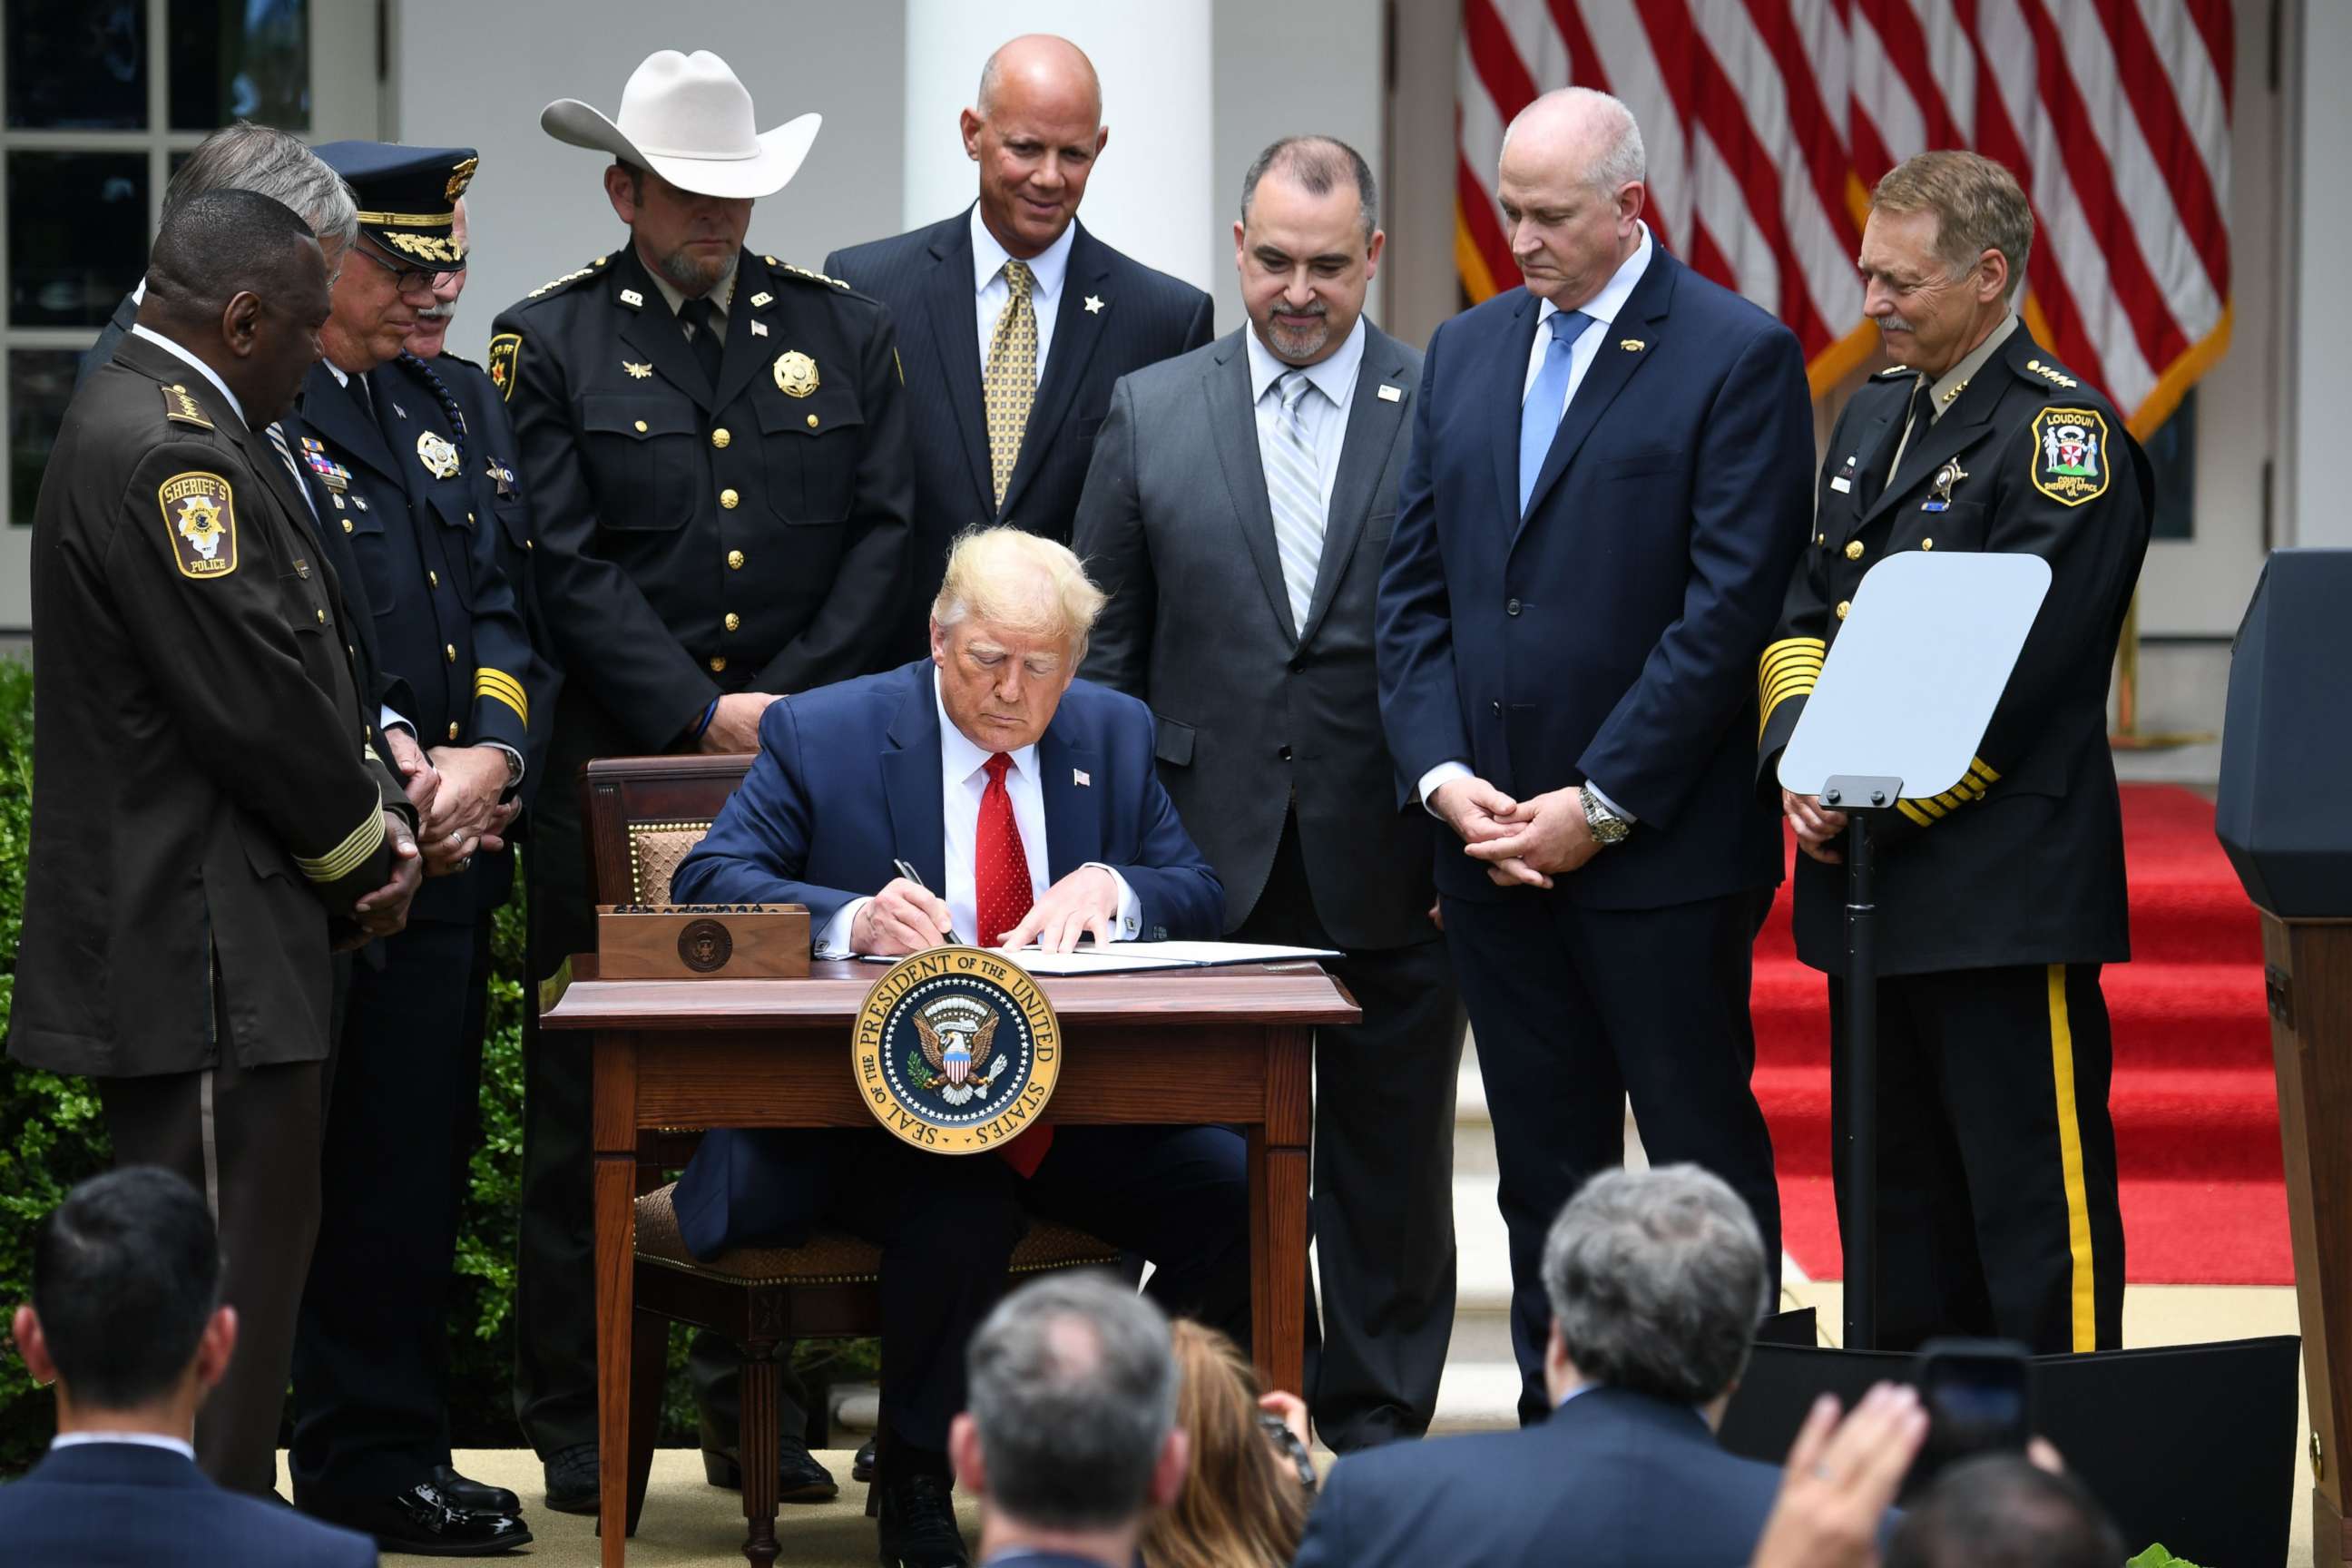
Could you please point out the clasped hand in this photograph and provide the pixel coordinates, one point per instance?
(464, 814)
(1524, 843)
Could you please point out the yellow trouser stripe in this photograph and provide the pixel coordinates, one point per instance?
(504, 688)
(2070, 1156)
(347, 857)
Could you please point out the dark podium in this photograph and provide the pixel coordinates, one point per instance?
(2287, 752)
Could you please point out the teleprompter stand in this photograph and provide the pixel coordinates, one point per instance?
(1900, 709)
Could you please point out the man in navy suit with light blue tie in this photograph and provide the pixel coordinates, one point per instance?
(1029, 805)
(1607, 487)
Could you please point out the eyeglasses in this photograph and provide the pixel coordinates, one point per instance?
(407, 279)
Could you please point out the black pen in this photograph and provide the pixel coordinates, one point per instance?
(916, 878)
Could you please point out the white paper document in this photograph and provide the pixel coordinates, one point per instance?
(1127, 957)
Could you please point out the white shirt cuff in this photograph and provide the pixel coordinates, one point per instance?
(1128, 923)
(1614, 809)
(387, 719)
(833, 942)
(1436, 778)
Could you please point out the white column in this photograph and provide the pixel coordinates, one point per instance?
(1152, 195)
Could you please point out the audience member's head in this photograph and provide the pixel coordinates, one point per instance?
(1657, 1279)
(236, 279)
(1243, 1505)
(274, 164)
(126, 1317)
(1069, 1438)
(2001, 1510)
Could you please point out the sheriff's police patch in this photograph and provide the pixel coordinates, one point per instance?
(505, 349)
(956, 1050)
(2070, 455)
(201, 518)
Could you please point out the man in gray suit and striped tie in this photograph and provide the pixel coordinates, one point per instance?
(1237, 511)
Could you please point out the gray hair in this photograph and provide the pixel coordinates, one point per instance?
(1978, 207)
(1657, 1279)
(1621, 159)
(1318, 164)
(1073, 1390)
(244, 156)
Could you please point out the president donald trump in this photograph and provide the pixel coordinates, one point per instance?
(1029, 806)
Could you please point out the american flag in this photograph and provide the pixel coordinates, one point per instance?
(1769, 120)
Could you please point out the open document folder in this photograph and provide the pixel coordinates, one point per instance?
(1125, 957)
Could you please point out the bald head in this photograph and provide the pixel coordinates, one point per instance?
(1035, 132)
(1570, 187)
(1585, 131)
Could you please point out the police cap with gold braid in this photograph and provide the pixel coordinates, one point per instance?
(407, 198)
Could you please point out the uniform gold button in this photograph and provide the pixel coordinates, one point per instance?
(641, 427)
(729, 499)
(1820, 538)
(453, 728)
(718, 664)
(1854, 550)
(322, 616)
(734, 560)
(1844, 605)
(434, 578)
(1927, 544)
(367, 731)
(719, 437)
(449, 652)
(531, 544)
(347, 525)
(812, 421)
(734, 621)
(470, 517)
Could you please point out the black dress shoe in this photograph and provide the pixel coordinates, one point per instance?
(422, 1521)
(571, 1479)
(861, 1468)
(798, 1478)
(919, 1526)
(473, 1496)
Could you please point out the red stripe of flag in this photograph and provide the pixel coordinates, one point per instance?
(1496, 58)
(2145, 81)
(2212, 20)
(1485, 225)
(1816, 134)
(1898, 31)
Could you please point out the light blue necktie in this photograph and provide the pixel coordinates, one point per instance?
(1295, 489)
(1547, 402)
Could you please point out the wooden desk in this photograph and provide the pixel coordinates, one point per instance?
(1167, 1047)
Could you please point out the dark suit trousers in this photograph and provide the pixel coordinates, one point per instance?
(248, 1138)
(555, 1246)
(1383, 1171)
(1577, 1010)
(372, 1356)
(1997, 1210)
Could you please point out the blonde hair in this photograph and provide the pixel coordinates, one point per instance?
(1021, 582)
(1977, 204)
(1241, 1507)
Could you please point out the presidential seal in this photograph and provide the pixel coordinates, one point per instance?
(956, 1050)
(705, 946)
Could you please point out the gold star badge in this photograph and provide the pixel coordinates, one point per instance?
(1094, 304)
(639, 371)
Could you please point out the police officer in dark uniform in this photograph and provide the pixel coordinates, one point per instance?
(714, 446)
(390, 465)
(1998, 901)
(210, 816)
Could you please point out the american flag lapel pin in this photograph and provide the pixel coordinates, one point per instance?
(1080, 777)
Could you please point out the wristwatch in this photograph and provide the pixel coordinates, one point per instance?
(1607, 826)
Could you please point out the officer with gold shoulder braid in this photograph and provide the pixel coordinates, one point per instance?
(715, 445)
(210, 817)
(389, 463)
(1998, 900)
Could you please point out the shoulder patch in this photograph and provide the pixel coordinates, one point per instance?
(200, 516)
(2070, 455)
(554, 285)
(506, 348)
(2051, 373)
(181, 407)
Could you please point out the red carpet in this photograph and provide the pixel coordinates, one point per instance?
(2195, 1107)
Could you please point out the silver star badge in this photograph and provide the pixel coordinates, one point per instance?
(1094, 304)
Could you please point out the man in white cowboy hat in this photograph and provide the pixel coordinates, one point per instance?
(715, 446)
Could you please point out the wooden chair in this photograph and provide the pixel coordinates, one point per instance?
(644, 815)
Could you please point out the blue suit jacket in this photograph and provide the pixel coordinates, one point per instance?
(1614, 1477)
(1611, 633)
(848, 780)
(118, 1503)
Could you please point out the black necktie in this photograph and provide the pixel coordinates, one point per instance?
(699, 314)
(358, 387)
(1916, 422)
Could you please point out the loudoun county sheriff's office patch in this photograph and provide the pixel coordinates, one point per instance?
(201, 518)
(2070, 455)
(956, 1050)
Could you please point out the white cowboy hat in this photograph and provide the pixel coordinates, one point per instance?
(688, 119)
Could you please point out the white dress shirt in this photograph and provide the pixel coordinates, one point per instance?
(1047, 268)
(1603, 308)
(1324, 417)
(179, 1446)
(963, 778)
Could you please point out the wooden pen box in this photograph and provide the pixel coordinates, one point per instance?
(702, 941)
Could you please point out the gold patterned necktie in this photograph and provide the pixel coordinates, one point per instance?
(1012, 381)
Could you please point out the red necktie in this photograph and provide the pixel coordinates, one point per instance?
(1000, 888)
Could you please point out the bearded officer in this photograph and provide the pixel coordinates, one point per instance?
(715, 446)
(391, 464)
(1998, 900)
